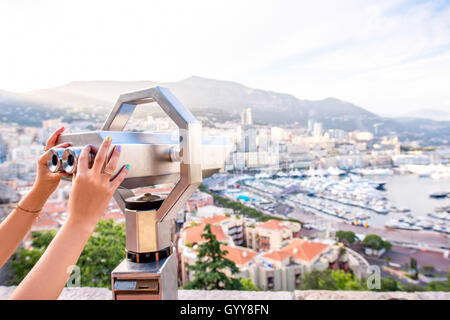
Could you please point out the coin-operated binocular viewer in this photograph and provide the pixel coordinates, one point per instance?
(150, 268)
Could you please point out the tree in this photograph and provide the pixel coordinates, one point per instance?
(389, 284)
(387, 245)
(210, 264)
(318, 280)
(386, 284)
(443, 286)
(24, 260)
(388, 259)
(411, 287)
(345, 281)
(102, 253)
(247, 285)
(346, 236)
(340, 280)
(413, 269)
(428, 270)
(242, 209)
(374, 241)
(329, 280)
(439, 285)
(42, 239)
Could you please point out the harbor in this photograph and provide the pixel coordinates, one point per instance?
(366, 199)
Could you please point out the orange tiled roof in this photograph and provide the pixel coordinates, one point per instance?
(115, 215)
(273, 224)
(304, 250)
(154, 190)
(276, 255)
(52, 207)
(215, 219)
(239, 255)
(45, 222)
(194, 234)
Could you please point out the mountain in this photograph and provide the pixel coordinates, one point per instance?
(25, 110)
(432, 114)
(213, 101)
(83, 95)
(201, 94)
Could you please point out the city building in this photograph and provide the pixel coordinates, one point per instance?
(197, 200)
(318, 130)
(311, 123)
(277, 134)
(246, 117)
(232, 225)
(2, 149)
(254, 148)
(52, 123)
(364, 136)
(207, 212)
(283, 269)
(271, 235)
(28, 152)
(190, 236)
(279, 268)
(241, 256)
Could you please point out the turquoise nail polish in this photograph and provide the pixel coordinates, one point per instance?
(119, 148)
(128, 167)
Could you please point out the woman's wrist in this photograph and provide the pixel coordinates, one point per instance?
(43, 188)
(35, 199)
(86, 226)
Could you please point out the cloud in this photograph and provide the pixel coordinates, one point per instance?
(385, 55)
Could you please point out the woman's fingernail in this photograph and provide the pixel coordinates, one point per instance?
(119, 148)
(128, 167)
(108, 139)
(65, 177)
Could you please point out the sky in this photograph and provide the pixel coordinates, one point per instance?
(388, 56)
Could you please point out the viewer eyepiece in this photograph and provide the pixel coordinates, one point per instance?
(70, 159)
(54, 160)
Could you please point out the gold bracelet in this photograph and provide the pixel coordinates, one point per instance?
(36, 213)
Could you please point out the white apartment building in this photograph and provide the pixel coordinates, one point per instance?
(271, 235)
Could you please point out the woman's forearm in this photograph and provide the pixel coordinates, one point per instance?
(92, 189)
(18, 223)
(49, 276)
(14, 228)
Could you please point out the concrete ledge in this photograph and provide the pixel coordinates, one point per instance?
(86, 293)
(83, 293)
(369, 295)
(234, 295)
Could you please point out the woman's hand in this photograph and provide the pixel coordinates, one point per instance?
(47, 181)
(93, 188)
(18, 223)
